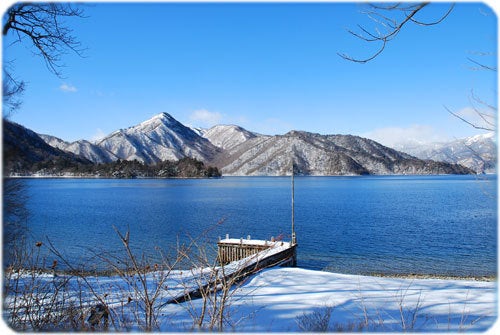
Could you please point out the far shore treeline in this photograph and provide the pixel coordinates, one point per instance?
(183, 168)
(25, 154)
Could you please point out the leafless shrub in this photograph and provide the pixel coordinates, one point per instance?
(38, 300)
(408, 314)
(317, 321)
(72, 299)
(145, 281)
(215, 286)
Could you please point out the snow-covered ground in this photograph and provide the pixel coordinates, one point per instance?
(282, 298)
(296, 299)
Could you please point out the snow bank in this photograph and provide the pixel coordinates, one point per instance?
(291, 299)
(279, 298)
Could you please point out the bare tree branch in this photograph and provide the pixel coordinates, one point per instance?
(478, 100)
(42, 24)
(481, 66)
(420, 23)
(12, 90)
(384, 16)
(473, 124)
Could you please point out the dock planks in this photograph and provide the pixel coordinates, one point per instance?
(234, 269)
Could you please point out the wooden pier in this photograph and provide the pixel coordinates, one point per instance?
(240, 258)
(234, 249)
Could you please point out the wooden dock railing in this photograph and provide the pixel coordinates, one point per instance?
(262, 254)
(232, 249)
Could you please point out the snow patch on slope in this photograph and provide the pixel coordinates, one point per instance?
(227, 136)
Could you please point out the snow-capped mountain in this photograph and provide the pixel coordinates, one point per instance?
(237, 151)
(160, 138)
(23, 149)
(83, 148)
(54, 141)
(478, 152)
(315, 154)
(227, 136)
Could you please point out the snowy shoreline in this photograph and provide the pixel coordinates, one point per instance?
(106, 273)
(432, 276)
(288, 299)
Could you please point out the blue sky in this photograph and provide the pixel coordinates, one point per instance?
(268, 67)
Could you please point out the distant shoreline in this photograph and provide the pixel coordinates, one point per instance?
(434, 276)
(101, 177)
(111, 273)
(233, 176)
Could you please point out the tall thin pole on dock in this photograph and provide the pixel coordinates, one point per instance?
(293, 202)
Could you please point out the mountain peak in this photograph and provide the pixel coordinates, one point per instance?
(163, 117)
(158, 120)
(159, 138)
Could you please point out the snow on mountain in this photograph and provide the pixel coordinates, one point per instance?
(227, 136)
(481, 138)
(237, 151)
(54, 141)
(198, 130)
(478, 152)
(23, 149)
(160, 138)
(83, 148)
(91, 151)
(315, 154)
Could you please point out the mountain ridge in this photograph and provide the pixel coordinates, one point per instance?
(316, 154)
(478, 152)
(23, 149)
(83, 148)
(237, 151)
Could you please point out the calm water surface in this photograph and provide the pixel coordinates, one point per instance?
(443, 225)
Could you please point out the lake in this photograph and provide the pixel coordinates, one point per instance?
(440, 225)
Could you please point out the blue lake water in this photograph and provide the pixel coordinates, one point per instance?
(444, 225)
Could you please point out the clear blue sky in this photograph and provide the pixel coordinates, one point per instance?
(269, 67)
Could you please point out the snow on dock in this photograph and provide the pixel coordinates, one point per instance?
(238, 259)
(233, 249)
